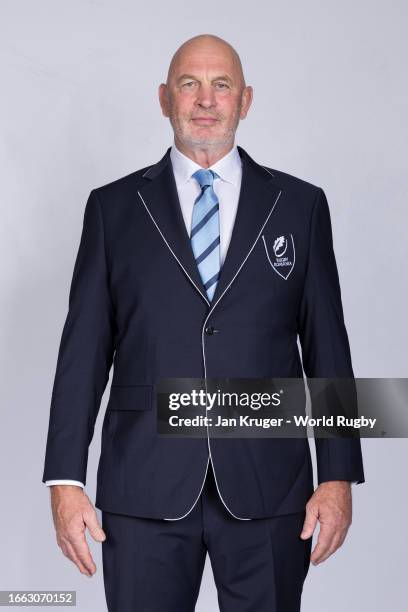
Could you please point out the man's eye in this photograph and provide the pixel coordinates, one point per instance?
(188, 84)
(222, 85)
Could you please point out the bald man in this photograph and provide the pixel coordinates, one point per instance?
(204, 264)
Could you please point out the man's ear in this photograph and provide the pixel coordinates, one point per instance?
(163, 99)
(247, 97)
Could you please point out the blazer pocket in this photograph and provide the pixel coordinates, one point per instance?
(130, 397)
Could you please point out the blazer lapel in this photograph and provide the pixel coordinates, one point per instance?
(258, 197)
(160, 197)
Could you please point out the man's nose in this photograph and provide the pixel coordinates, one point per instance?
(206, 96)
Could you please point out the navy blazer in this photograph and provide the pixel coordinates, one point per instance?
(137, 301)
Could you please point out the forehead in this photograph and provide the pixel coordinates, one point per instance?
(205, 61)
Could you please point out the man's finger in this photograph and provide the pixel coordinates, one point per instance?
(334, 545)
(310, 522)
(81, 548)
(343, 535)
(91, 521)
(327, 534)
(69, 552)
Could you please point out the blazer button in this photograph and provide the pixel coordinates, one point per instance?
(211, 330)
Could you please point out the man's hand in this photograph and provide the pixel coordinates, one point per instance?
(331, 505)
(72, 512)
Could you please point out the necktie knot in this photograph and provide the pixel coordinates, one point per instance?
(204, 177)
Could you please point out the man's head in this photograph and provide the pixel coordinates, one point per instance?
(205, 95)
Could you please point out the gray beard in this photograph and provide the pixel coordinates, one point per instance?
(213, 143)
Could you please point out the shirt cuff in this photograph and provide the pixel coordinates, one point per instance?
(49, 483)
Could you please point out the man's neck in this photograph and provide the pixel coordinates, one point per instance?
(204, 156)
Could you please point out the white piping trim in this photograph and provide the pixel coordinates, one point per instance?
(250, 251)
(208, 440)
(202, 341)
(196, 500)
(191, 280)
(203, 351)
(173, 253)
(269, 259)
(268, 171)
(148, 170)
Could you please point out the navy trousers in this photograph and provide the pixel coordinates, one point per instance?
(152, 565)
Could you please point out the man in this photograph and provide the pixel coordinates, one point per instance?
(176, 278)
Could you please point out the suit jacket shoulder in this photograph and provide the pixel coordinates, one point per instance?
(292, 183)
(122, 185)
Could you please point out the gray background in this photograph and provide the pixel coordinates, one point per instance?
(79, 108)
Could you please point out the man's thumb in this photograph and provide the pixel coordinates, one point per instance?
(309, 525)
(96, 531)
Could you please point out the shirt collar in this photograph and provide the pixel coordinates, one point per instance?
(229, 167)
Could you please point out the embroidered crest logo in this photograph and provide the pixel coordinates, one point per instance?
(280, 245)
(282, 257)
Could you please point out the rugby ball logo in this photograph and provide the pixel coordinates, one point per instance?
(279, 246)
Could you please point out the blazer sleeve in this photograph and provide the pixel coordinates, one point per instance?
(324, 341)
(85, 355)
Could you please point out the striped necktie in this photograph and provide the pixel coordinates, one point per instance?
(205, 231)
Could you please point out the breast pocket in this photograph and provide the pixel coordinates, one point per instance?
(280, 252)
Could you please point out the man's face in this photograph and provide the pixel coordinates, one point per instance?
(205, 97)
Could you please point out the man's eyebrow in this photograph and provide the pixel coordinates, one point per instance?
(223, 77)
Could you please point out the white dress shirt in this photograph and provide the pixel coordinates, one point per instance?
(227, 189)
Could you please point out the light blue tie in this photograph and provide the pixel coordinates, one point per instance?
(205, 231)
